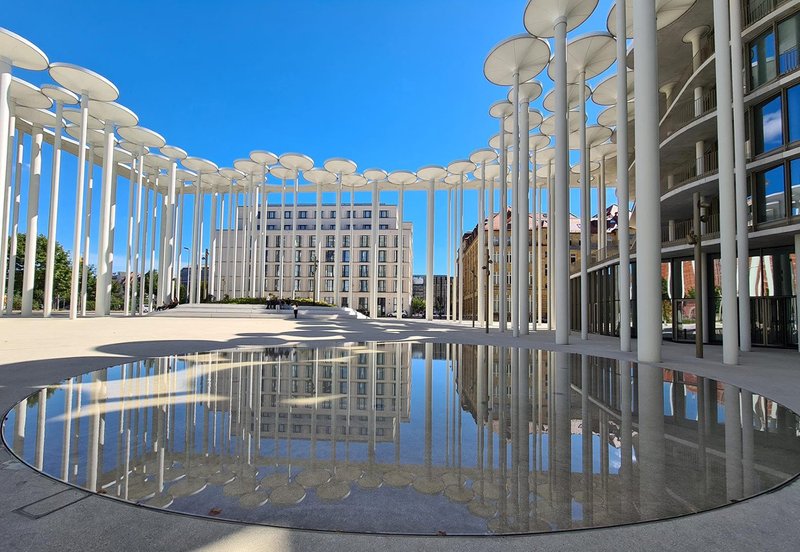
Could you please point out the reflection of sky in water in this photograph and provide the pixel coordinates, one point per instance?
(454, 443)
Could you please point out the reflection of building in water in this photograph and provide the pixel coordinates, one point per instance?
(355, 391)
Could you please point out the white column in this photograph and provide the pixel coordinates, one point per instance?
(262, 247)
(15, 201)
(350, 300)
(373, 284)
(7, 130)
(103, 281)
(429, 259)
(32, 226)
(143, 251)
(293, 263)
(55, 180)
(490, 250)
(169, 270)
(337, 252)
(481, 256)
(230, 261)
(523, 250)
(559, 244)
(727, 194)
(449, 233)
(501, 213)
(218, 234)
(87, 230)
(200, 225)
(516, 261)
(180, 200)
(648, 204)
(399, 287)
(585, 205)
(76, 241)
(534, 249)
(153, 242)
(193, 281)
(252, 243)
(602, 219)
(6, 187)
(460, 242)
(212, 238)
(129, 247)
(550, 246)
(740, 160)
(163, 277)
(135, 288)
(539, 260)
(623, 202)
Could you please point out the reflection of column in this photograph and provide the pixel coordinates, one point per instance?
(523, 519)
(561, 441)
(41, 416)
(95, 436)
(429, 261)
(429, 407)
(586, 442)
(733, 442)
(20, 416)
(65, 438)
(797, 280)
(626, 436)
(651, 441)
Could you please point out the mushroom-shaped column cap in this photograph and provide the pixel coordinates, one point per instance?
(278, 172)
(606, 91)
(231, 174)
(501, 109)
(494, 141)
(538, 142)
(121, 155)
(74, 116)
(320, 176)
(157, 161)
(573, 97)
(135, 149)
(608, 117)
(199, 165)
(354, 180)
(375, 175)
(541, 15)
(28, 95)
(84, 81)
(113, 113)
(40, 117)
(296, 161)
(548, 126)
(483, 155)
(667, 11)
(263, 157)
(247, 166)
(402, 177)
(492, 172)
(339, 165)
(521, 55)
(20, 52)
(460, 167)
(93, 136)
(182, 175)
(431, 173)
(534, 120)
(591, 54)
(528, 91)
(174, 152)
(595, 134)
(606, 149)
(59, 94)
(142, 136)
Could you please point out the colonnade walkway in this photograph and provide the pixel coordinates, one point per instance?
(38, 513)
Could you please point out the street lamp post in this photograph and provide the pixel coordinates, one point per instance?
(474, 293)
(487, 267)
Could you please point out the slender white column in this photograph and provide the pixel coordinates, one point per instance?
(623, 201)
(262, 281)
(481, 256)
(153, 242)
(429, 259)
(235, 268)
(246, 249)
(293, 263)
(550, 246)
(143, 252)
(178, 252)
(602, 219)
(163, 232)
(337, 278)
(14, 205)
(5, 214)
(585, 205)
(254, 250)
(32, 227)
(648, 207)
(740, 160)
(135, 287)
(200, 226)
(318, 244)
(352, 247)
(103, 280)
(460, 242)
(218, 234)
(7, 129)
(87, 230)
(516, 260)
(230, 261)
(281, 245)
(373, 284)
(76, 243)
(55, 179)
(449, 232)
(727, 195)
(534, 238)
(502, 215)
(129, 247)
(539, 259)
(169, 254)
(193, 281)
(490, 250)
(400, 251)
(212, 277)
(523, 248)
(559, 245)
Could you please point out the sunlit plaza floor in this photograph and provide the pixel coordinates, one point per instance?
(34, 352)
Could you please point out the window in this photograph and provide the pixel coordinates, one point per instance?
(788, 38)
(793, 112)
(347, 214)
(345, 285)
(382, 285)
(363, 241)
(345, 256)
(363, 271)
(794, 174)
(287, 226)
(771, 194)
(329, 241)
(367, 213)
(297, 257)
(302, 214)
(383, 227)
(384, 213)
(382, 240)
(768, 125)
(363, 286)
(762, 59)
(382, 256)
(381, 271)
(298, 241)
(270, 214)
(328, 285)
(330, 256)
(312, 241)
(287, 214)
(366, 227)
(346, 240)
(346, 271)
(333, 214)
(363, 256)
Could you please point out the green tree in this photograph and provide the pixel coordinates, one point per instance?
(417, 305)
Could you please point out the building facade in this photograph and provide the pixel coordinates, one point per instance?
(439, 291)
(303, 267)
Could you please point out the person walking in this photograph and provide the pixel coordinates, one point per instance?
(294, 308)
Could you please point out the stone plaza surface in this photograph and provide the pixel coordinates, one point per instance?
(38, 513)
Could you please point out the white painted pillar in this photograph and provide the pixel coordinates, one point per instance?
(252, 243)
(350, 300)
(6, 187)
(262, 248)
(727, 194)
(129, 243)
(516, 261)
(230, 264)
(550, 246)
(212, 266)
(539, 259)
(740, 168)
(337, 256)
(178, 252)
(14, 204)
(293, 262)
(7, 130)
(459, 235)
(193, 280)
(400, 267)
(429, 260)
(622, 192)
(490, 250)
(281, 236)
(648, 201)
(103, 280)
(449, 232)
(218, 234)
(167, 278)
(481, 254)
(502, 213)
(76, 243)
(559, 245)
(32, 226)
(55, 180)
(523, 248)
(142, 299)
(373, 284)
(200, 227)
(87, 230)
(137, 219)
(585, 205)
(163, 277)
(153, 242)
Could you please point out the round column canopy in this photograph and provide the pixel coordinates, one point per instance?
(608, 117)
(492, 172)
(375, 175)
(278, 172)
(113, 113)
(494, 141)
(263, 157)
(25, 94)
(84, 81)
(157, 161)
(528, 91)
(182, 175)
(460, 167)
(37, 117)
(142, 136)
(174, 152)
(573, 97)
(320, 176)
(595, 134)
(538, 142)
(246, 166)
(521, 55)
(667, 11)
(591, 53)
(231, 174)
(20, 52)
(59, 94)
(541, 15)
(339, 165)
(501, 109)
(135, 149)
(93, 136)
(606, 149)
(73, 115)
(605, 93)
(199, 165)
(296, 161)
(548, 126)
(402, 177)
(431, 173)
(534, 120)
(483, 155)
(354, 180)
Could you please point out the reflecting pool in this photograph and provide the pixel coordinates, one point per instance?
(408, 438)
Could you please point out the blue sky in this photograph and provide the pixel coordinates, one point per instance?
(396, 85)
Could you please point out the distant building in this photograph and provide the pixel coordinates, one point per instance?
(439, 291)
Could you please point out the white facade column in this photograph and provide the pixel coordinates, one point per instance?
(153, 242)
(648, 201)
(429, 259)
(129, 243)
(523, 248)
(373, 284)
(481, 256)
(262, 266)
(516, 261)
(337, 258)
(143, 251)
(727, 194)
(87, 230)
(193, 281)
(218, 234)
(137, 219)
(102, 298)
(230, 264)
(585, 206)
(253, 241)
(32, 226)
(200, 227)
(740, 168)
(293, 262)
(550, 246)
(622, 192)
(55, 180)
(318, 244)
(281, 237)
(602, 219)
(559, 242)
(7, 130)
(490, 250)
(400, 250)
(212, 246)
(449, 232)
(538, 221)
(169, 254)
(6, 188)
(76, 243)
(178, 252)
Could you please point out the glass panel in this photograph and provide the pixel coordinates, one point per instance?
(788, 35)
(794, 172)
(762, 59)
(666, 300)
(768, 125)
(793, 112)
(771, 194)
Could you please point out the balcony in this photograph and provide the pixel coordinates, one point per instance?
(688, 111)
(754, 10)
(704, 166)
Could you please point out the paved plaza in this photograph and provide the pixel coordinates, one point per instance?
(38, 513)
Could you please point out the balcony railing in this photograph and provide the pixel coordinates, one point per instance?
(706, 51)
(702, 167)
(755, 10)
(687, 111)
